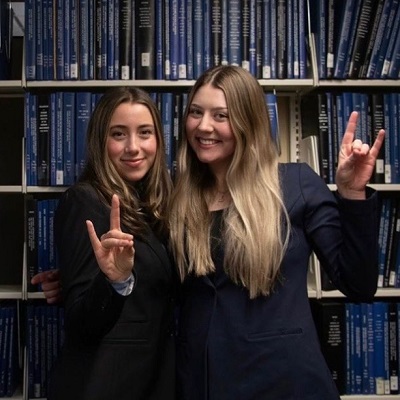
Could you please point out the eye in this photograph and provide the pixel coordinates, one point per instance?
(194, 111)
(117, 134)
(220, 116)
(146, 132)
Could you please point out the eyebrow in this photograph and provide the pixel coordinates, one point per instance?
(213, 109)
(124, 126)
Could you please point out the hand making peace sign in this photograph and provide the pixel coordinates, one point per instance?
(114, 251)
(356, 161)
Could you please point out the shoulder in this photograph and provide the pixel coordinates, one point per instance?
(80, 191)
(299, 182)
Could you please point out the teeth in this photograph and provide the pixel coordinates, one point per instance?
(207, 141)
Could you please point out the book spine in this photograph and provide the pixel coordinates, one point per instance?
(30, 39)
(110, 63)
(125, 26)
(234, 32)
(69, 137)
(266, 68)
(189, 40)
(282, 51)
(198, 29)
(159, 39)
(182, 46)
(43, 132)
(174, 39)
(216, 31)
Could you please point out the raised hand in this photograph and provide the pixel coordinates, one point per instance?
(114, 251)
(356, 161)
(51, 285)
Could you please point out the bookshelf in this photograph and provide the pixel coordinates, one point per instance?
(13, 276)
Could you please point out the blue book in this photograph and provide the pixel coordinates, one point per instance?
(85, 37)
(290, 39)
(13, 362)
(380, 325)
(52, 205)
(167, 41)
(69, 137)
(272, 107)
(167, 122)
(245, 34)
(59, 40)
(224, 32)
(28, 139)
(383, 238)
(159, 39)
(110, 66)
(394, 140)
(174, 39)
(393, 343)
(207, 48)
(83, 113)
(4, 349)
(378, 39)
(302, 43)
(352, 36)
(234, 33)
(115, 59)
(39, 39)
(392, 25)
(394, 66)
(348, 341)
(182, 40)
(274, 40)
(67, 39)
(30, 39)
(198, 39)
(45, 39)
(92, 40)
(266, 63)
(391, 44)
(104, 39)
(387, 109)
(253, 38)
(59, 147)
(347, 23)
(281, 39)
(189, 40)
(53, 139)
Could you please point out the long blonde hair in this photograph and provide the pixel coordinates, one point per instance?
(141, 202)
(256, 224)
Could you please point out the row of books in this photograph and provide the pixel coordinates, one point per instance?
(163, 39)
(56, 125)
(10, 372)
(357, 39)
(44, 338)
(360, 342)
(389, 243)
(326, 114)
(41, 253)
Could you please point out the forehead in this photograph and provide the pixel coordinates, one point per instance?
(132, 113)
(210, 97)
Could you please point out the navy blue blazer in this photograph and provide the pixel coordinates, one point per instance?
(231, 347)
(116, 347)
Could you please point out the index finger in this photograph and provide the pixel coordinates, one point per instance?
(115, 222)
(348, 136)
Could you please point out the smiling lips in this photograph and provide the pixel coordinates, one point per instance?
(207, 141)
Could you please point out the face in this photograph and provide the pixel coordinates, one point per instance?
(208, 129)
(132, 141)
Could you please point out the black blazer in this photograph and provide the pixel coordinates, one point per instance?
(116, 347)
(231, 347)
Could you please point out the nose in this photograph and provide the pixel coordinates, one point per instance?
(206, 123)
(131, 145)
